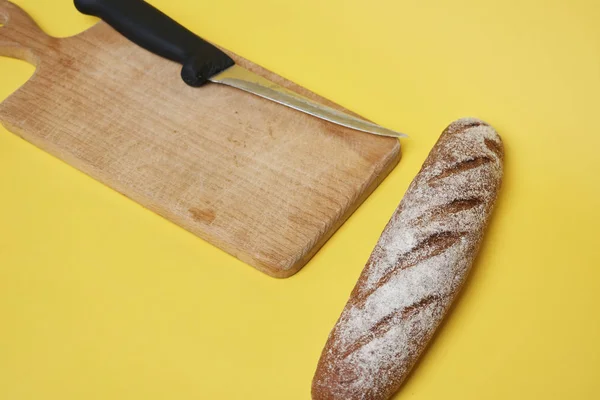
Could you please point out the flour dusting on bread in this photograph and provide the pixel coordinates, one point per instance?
(417, 268)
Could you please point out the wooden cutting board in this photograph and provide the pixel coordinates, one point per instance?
(263, 182)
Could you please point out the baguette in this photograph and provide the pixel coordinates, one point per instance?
(417, 268)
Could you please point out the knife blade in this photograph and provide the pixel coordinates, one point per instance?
(202, 62)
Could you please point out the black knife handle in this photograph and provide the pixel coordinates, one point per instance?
(149, 28)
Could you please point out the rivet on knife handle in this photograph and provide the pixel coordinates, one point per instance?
(149, 28)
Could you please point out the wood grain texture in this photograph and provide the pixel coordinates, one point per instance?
(267, 184)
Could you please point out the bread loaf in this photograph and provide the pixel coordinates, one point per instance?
(418, 266)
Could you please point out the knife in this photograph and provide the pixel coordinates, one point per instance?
(153, 30)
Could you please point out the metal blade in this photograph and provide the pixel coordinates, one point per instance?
(243, 79)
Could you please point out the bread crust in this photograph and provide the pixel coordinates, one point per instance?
(417, 268)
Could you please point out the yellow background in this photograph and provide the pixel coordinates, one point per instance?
(101, 299)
